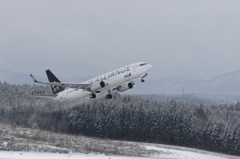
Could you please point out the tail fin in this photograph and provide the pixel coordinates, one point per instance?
(53, 78)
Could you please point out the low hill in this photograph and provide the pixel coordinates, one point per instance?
(23, 139)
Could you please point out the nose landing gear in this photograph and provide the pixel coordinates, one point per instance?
(143, 76)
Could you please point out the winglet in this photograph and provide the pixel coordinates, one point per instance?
(34, 80)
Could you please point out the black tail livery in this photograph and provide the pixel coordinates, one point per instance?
(53, 78)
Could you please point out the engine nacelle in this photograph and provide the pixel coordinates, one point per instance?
(97, 86)
(125, 87)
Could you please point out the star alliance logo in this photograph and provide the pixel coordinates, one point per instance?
(55, 88)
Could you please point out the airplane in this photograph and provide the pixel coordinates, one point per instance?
(118, 80)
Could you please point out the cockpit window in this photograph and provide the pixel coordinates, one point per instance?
(143, 64)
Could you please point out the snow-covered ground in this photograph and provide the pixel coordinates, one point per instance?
(187, 153)
(26, 143)
(31, 155)
(165, 153)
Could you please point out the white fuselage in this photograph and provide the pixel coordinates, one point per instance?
(113, 79)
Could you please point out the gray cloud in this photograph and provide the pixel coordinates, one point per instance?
(186, 39)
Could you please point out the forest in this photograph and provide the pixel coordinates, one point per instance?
(214, 127)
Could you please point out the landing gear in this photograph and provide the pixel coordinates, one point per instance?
(109, 96)
(142, 80)
(92, 95)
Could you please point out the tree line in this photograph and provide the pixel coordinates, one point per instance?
(126, 117)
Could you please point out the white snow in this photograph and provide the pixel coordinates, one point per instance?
(167, 153)
(31, 155)
(184, 154)
(4, 143)
(87, 144)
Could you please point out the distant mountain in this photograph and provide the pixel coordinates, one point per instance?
(228, 83)
(225, 79)
(16, 78)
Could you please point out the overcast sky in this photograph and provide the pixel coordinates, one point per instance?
(188, 39)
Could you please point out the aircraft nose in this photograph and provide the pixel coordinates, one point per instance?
(150, 67)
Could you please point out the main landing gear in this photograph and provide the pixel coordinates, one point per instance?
(92, 95)
(109, 96)
(142, 80)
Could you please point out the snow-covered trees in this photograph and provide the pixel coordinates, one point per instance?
(211, 127)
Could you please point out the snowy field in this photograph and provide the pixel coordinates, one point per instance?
(165, 153)
(26, 143)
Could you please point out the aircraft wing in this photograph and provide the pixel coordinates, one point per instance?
(66, 85)
(45, 96)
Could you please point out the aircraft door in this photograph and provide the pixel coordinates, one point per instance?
(134, 68)
(128, 74)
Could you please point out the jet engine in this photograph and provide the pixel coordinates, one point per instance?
(125, 86)
(97, 86)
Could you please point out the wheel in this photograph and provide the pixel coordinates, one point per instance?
(93, 96)
(142, 80)
(109, 96)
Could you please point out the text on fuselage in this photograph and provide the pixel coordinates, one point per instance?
(110, 74)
